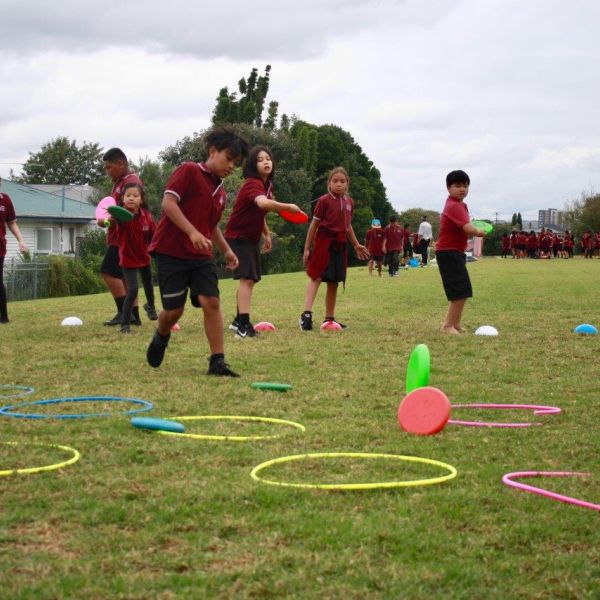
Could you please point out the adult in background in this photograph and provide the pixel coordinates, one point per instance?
(425, 237)
(7, 218)
(117, 168)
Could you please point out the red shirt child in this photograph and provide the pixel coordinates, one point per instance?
(247, 218)
(7, 215)
(112, 236)
(374, 241)
(394, 237)
(455, 216)
(134, 237)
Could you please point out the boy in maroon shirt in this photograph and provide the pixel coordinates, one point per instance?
(455, 230)
(117, 168)
(394, 244)
(192, 205)
(8, 219)
(375, 242)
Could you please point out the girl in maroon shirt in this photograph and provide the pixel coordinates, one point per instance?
(330, 228)
(245, 228)
(134, 238)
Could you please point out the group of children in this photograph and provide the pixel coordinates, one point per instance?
(182, 243)
(545, 244)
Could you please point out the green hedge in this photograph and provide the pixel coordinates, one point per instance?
(70, 277)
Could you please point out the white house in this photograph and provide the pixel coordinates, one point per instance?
(50, 223)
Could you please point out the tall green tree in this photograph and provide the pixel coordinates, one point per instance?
(62, 161)
(514, 220)
(520, 221)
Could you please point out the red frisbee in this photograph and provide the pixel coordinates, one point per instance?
(424, 411)
(298, 218)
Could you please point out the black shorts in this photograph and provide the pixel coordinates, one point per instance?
(336, 269)
(408, 250)
(248, 253)
(110, 263)
(455, 277)
(177, 275)
(377, 257)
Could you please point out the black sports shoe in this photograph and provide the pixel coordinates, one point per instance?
(221, 369)
(116, 320)
(151, 312)
(306, 321)
(125, 329)
(156, 349)
(245, 331)
(135, 321)
(234, 324)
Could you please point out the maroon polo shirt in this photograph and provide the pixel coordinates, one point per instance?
(374, 241)
(132, 237)
(334, 213)
(7, 215)
(247, 218)
(202, 199)
(112, 237)
(454, 217)
(394, 235)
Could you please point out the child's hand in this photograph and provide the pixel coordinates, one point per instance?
(480, 233)
(305, 257)
(200, 242)
(361, 252)
(232, 260)
(294, 208)
(267, 243)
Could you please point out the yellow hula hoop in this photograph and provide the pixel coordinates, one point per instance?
(232, 438)
(355, 486)
(28, 471)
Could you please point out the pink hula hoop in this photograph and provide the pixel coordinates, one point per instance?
(507, 479)
(537, 410)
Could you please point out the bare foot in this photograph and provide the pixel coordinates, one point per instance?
(461, 329)
(451, 330)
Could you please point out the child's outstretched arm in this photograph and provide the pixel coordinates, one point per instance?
(170, 206)
(469, 229)
(272, 205)
(310, 238)
(361, 251)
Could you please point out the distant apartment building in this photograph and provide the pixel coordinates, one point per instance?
(550, 216)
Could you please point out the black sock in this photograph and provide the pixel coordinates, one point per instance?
(330, 318)
(243, 318)
(119, 302)
(216, 357)
(135, 311)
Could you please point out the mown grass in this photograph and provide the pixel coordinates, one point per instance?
(148, 516)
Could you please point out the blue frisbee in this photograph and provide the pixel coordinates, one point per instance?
(157, 424)
(585, 329)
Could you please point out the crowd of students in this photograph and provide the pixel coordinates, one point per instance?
(545, 244)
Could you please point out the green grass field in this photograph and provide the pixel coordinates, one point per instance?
(143, 515)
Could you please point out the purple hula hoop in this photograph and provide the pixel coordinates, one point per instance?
(507, 479)
(537, 410)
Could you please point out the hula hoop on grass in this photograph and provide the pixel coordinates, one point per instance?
(232, 438)
(25, 391)
(507, 479)
(355, 486)
(537, 410)
(7, 411)
(30, 470)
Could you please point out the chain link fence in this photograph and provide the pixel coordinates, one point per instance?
(26, 280)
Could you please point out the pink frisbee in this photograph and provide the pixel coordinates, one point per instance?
(264, 326)
(424, 411)
(331, 326)
(537, 410)
(102, 208)
(508, 480)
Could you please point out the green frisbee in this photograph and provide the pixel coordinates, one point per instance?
(487, 227)
(268, 385)
(417, 371)
(120, 213)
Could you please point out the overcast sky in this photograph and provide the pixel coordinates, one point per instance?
(508, 90)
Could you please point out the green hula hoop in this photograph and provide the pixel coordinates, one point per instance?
(231, 438)
(355, 486)
(28, 471)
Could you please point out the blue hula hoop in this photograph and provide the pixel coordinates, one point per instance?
(6, 411)
(25, 391)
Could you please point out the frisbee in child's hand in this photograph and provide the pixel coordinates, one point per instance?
(157, 424)
(120, 213)
(487, 227)
(268, 385)
(290, 217)
(417, 371)
(101, 209)
(424, 411)
(264, 326)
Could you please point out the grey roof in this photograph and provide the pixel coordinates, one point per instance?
(31, 203)
(83, 193)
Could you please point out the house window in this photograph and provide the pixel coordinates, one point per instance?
(43, 241)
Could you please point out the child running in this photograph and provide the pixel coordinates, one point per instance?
(330, 229)
(246, 226)
(375, 243)
(455, 229)
(192, 205)
(134, 237)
